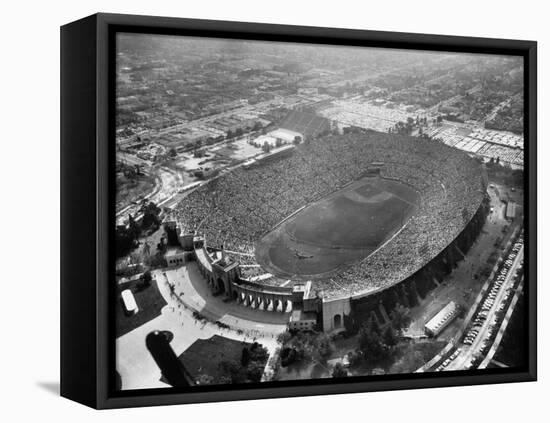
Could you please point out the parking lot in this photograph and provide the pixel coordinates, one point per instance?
(488, 317)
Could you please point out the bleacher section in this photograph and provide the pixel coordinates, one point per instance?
(308, 124)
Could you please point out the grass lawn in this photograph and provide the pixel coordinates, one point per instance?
(406, 358)
(150, 303)
(204, 356)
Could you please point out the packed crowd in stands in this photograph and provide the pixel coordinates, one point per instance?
(235, 210)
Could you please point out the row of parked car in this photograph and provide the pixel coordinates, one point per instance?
(448, 360)
(490, 299)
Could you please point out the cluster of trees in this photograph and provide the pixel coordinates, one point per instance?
(145, 281)
(405, 128)
(239, 132)
(376, 344)
(339, 371)
(126, 237)
(249, 368)
(234, 134)
(129, 172)
(304, 348)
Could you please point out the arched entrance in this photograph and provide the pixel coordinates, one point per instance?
(337, 321)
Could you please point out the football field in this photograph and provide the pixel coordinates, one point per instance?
(337, 230)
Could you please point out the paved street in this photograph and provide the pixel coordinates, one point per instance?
(468, 352)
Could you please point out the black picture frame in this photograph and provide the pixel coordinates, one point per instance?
(87, 207)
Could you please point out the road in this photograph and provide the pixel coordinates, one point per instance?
(468, 352)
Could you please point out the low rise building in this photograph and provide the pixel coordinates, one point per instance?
(302, 320)
(175, 257)
(442, 319)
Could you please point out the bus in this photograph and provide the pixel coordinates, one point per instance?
(129, 302)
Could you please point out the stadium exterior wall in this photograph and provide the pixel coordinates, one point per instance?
(375, 304)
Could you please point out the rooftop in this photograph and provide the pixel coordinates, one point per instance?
(300, 315)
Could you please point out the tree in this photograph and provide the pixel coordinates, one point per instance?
(245, 357)
(150, 216)
(339, 371)
(233, 371)
(133, 227)
(370, 345)
(400, 318)
(288, 356)
(125, 241)
(394, 297)
(373, 325)
(147, 278)
(172, 152)
(256, 352)
(389, 337)
(297, 140)
(156, 260)
(323, 348)
(255, 370)
(205, 380)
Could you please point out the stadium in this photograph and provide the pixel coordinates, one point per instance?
(365, 219)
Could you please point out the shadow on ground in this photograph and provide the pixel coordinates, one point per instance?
(51, 387)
